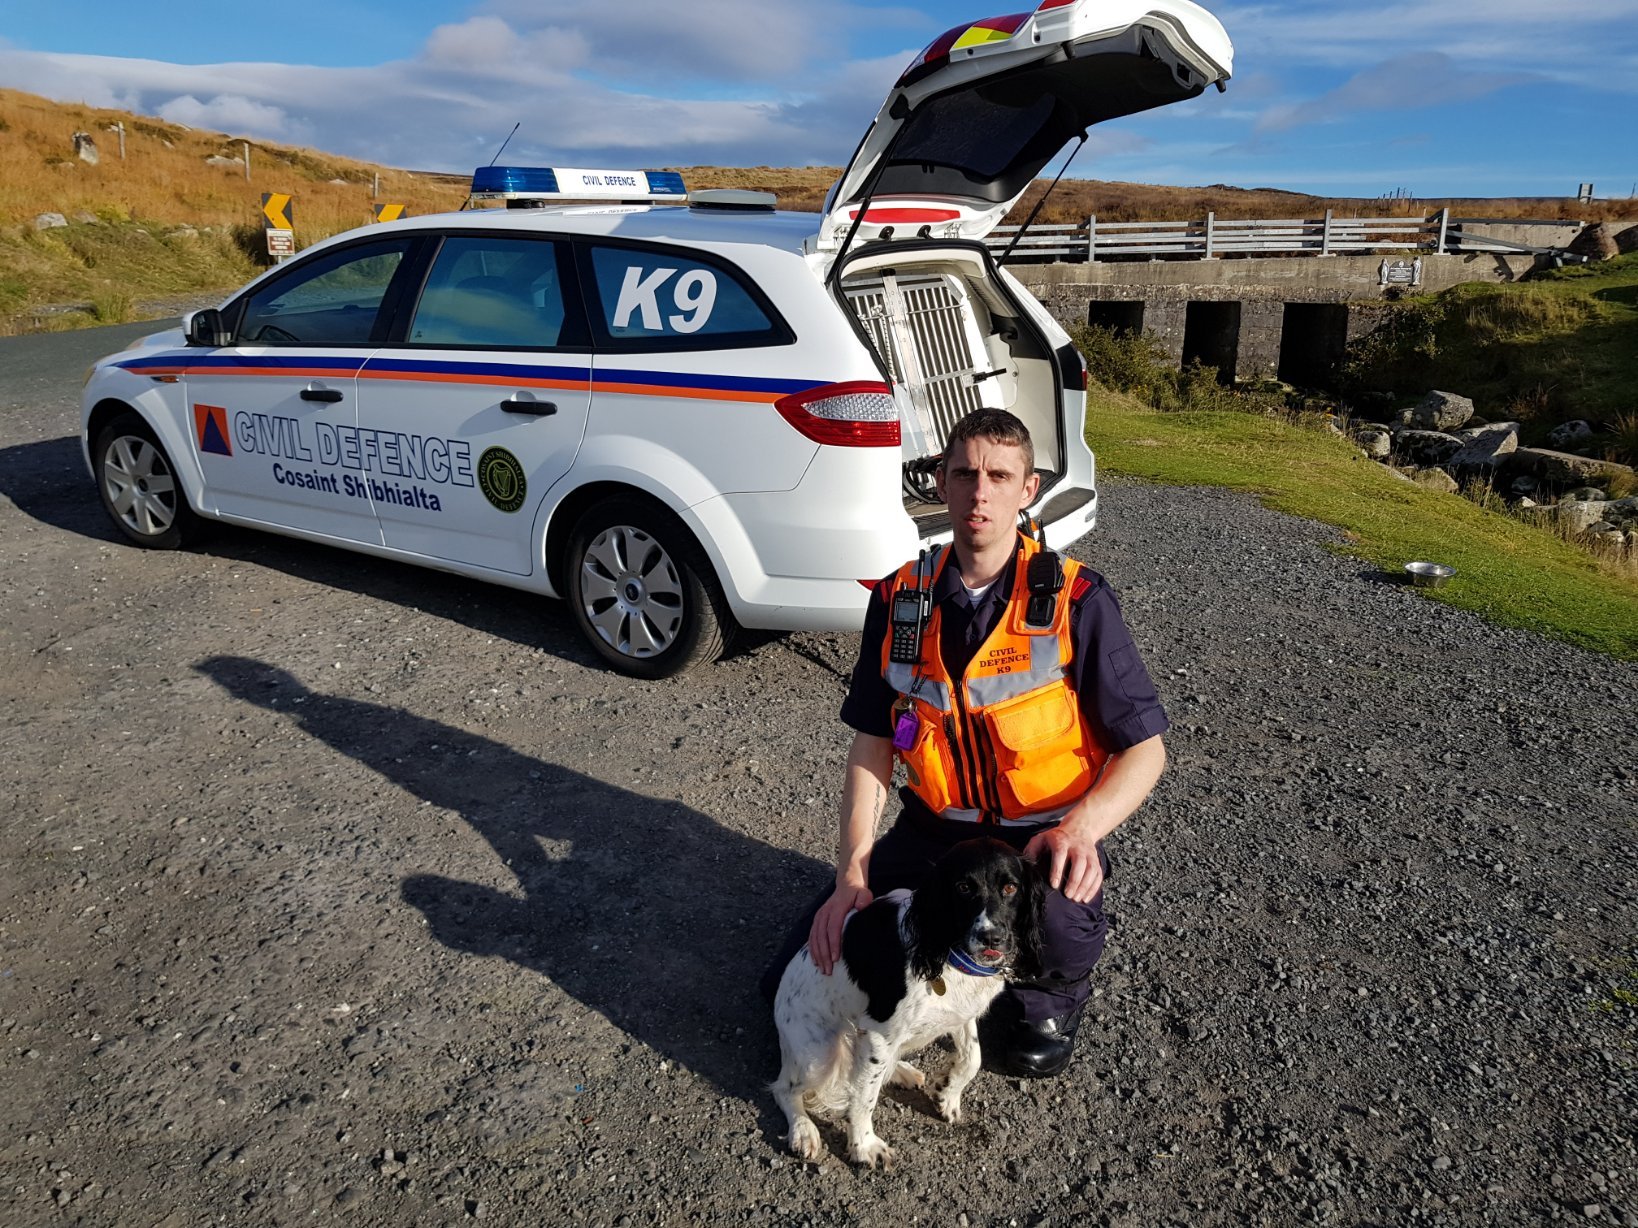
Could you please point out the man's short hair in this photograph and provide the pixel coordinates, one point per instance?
(997, 425)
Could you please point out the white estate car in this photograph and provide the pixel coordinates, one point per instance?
(681, 417)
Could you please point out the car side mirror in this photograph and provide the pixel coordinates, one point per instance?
(206, 327)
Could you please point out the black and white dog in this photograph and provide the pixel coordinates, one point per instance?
(915, 966)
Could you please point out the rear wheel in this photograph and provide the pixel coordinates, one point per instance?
(139, 487)
(642, 590)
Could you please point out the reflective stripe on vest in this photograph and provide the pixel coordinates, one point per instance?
(1046, 662)
(960, 814)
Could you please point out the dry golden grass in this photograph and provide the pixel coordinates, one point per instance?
(1074, 200)
(164, 177)
(122, 253)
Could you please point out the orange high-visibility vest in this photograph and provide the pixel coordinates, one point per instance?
(1006, 742)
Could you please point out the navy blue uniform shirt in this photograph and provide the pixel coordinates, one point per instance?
(1105, 671)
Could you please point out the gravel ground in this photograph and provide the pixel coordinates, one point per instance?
(339, 891)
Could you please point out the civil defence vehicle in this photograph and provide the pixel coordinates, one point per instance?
(681, 414)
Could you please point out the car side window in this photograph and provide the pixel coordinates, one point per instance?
(664, 298)
(492, 292)
(331, 299)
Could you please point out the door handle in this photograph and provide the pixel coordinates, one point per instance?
(328, 395)
(530, 406)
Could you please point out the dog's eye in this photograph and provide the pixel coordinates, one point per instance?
(964, 888)
(1010, 889)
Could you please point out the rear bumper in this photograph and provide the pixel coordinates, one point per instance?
(783, 569)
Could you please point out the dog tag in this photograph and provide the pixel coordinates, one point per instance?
(938, 986)
(904, 731)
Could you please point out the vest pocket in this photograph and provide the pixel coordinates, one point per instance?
(930, 764)
(1040, 749)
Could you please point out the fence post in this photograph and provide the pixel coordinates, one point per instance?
(1444, 226)
(1325, 235)
(1092, 239)
(1211, 226)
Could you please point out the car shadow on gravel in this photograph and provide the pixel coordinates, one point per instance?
(646, 911)
(48, 481)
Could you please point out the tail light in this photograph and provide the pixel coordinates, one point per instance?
(857, 414)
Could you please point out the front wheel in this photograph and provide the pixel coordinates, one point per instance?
(643, 592)
(139, 486)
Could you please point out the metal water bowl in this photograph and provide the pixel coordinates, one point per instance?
(1428, 575)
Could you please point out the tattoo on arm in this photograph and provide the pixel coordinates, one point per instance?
(881, 802)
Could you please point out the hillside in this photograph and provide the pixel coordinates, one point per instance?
(165, 225)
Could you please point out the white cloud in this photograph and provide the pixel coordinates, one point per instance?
(488, 45)
(1525, 35)
(232, 113)
(1423, 79)
(660, 42)
(439, 112)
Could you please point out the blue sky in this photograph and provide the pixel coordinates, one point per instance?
(1463, 97)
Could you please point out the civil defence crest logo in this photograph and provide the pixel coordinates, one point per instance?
(211, 430)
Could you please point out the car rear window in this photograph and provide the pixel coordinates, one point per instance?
(665, 298)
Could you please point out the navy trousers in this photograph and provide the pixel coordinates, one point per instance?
(1074, 934)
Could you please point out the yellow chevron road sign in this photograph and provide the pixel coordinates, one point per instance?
(276, 211)
(388, 213)
(276, 224)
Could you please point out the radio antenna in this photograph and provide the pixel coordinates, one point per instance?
(506, 142)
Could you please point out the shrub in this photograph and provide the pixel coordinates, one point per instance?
(111, 307)
(1623, 445)
(1139, 365)
(251, 241)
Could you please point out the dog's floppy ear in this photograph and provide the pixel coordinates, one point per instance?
(932, 921)
(1032, 919)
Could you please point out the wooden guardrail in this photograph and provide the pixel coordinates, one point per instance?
(1212, 237)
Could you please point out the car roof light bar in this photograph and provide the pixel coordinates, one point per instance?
(558, 183)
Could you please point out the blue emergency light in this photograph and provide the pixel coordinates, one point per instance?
(567, 184)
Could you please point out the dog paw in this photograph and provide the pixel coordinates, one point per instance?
(804, 1140)
(872, 1153)
(948, 1104)
(906, 1075)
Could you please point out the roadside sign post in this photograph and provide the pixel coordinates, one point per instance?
(277, 214)
(387, 213)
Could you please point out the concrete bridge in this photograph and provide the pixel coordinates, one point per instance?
(1289, 317)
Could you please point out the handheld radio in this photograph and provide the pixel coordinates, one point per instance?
(908, 618)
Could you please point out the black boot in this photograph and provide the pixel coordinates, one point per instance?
(1028, 1049)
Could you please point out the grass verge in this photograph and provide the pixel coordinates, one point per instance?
(1512, 573)
(1563, 345)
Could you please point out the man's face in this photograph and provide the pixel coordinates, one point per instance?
(985, 485)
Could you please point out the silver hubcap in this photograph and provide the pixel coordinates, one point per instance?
(139, 486)
(631, 592)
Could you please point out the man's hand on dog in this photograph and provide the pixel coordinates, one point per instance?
(1071, 860)
(825, 938)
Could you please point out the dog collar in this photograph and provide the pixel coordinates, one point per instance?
(963, 962)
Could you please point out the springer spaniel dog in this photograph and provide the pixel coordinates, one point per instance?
(915, 966)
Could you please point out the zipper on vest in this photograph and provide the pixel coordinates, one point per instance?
(991, 769)
(953, 740)
(964, 740)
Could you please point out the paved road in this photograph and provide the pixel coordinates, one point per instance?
(336, 888)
